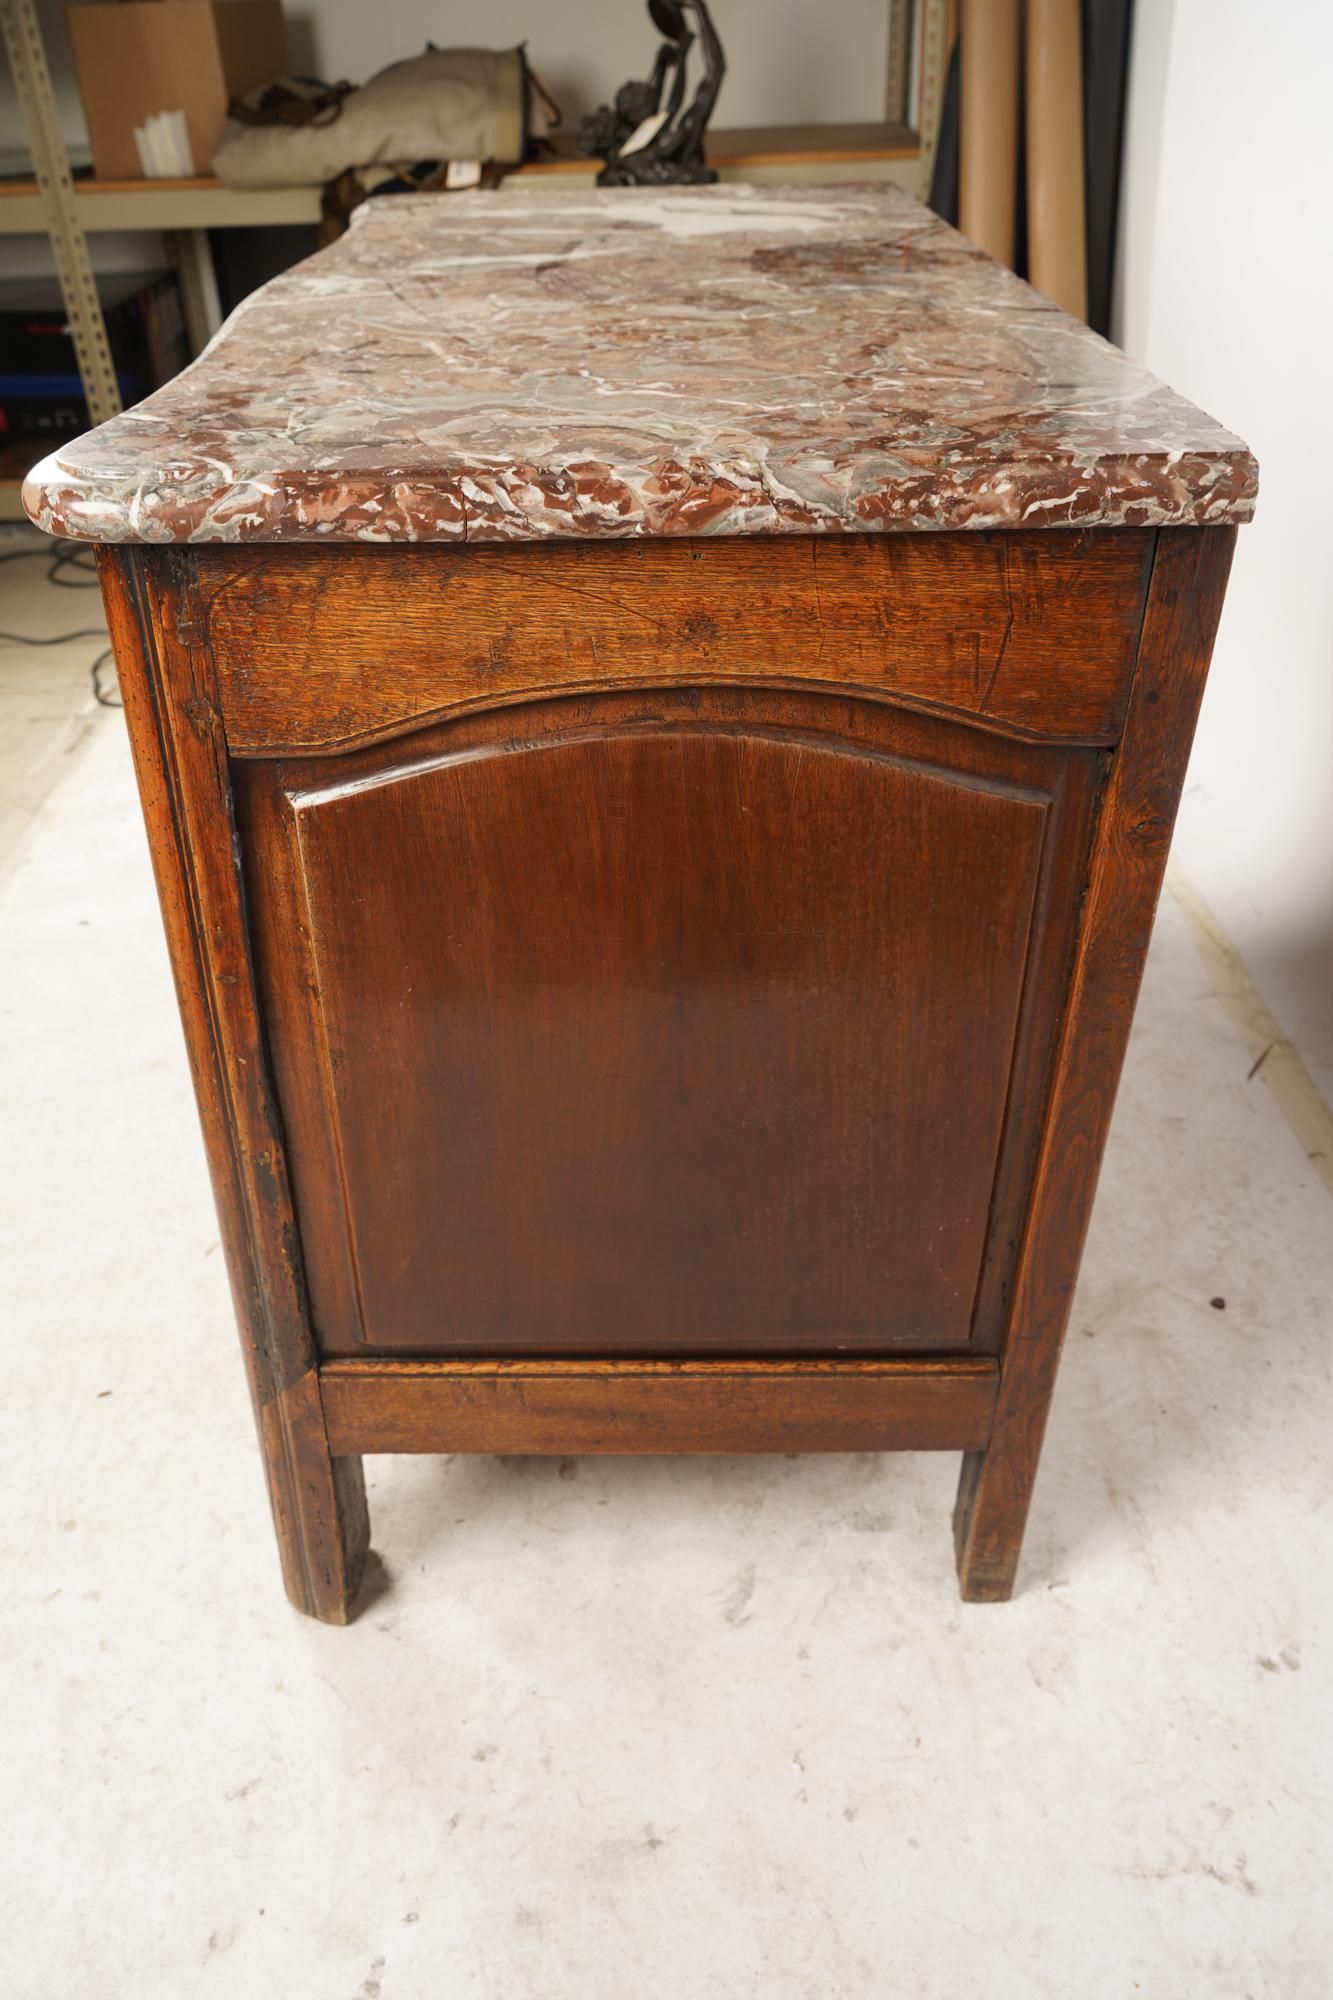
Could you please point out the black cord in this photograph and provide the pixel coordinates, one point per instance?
(98, 664)
(62, 557)
(87, 573)
(56, 639)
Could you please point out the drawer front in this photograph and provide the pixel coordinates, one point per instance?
(709, 1021)
(319, 651)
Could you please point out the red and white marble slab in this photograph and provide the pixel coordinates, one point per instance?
(536, 362)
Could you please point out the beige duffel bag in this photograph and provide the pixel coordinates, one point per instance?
(448, 104)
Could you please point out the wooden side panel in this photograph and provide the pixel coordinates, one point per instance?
(727, 1009)
(670, 1026)
(1128, 862)
(625, 1407)
(317, 652)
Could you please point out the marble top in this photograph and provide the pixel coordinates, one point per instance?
(535, 362)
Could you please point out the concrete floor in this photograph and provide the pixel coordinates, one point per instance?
(641, 1728)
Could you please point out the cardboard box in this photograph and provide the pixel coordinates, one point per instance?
(136, 59)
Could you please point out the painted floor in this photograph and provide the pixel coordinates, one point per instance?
(660, 1727)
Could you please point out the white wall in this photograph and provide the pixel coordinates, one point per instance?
(1227, 290)
(789, 61)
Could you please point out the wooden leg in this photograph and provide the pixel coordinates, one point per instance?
(989, 1517)
(319, 1506)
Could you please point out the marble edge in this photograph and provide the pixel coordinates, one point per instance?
(1191, 488)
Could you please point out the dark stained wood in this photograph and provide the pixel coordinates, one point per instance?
(672, 1024)
(318, 1495)
(645, 1406)
(692, 977)
(180, 763)
(1032, 633)
(1125, 879)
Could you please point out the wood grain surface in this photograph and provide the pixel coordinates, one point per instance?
(633, 1407)
(675, 1023)
(1031, 633)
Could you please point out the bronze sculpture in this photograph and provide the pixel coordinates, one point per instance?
(645, 138)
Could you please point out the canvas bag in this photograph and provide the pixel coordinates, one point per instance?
(447, 104)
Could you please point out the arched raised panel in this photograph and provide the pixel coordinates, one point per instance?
(668, 1024)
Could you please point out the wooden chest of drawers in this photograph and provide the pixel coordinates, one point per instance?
(659, 769)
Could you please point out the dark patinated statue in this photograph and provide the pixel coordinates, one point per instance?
(645, 137)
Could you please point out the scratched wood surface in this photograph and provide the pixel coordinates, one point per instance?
(1032, 633)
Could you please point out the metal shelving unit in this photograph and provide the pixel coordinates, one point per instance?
(67, 211)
